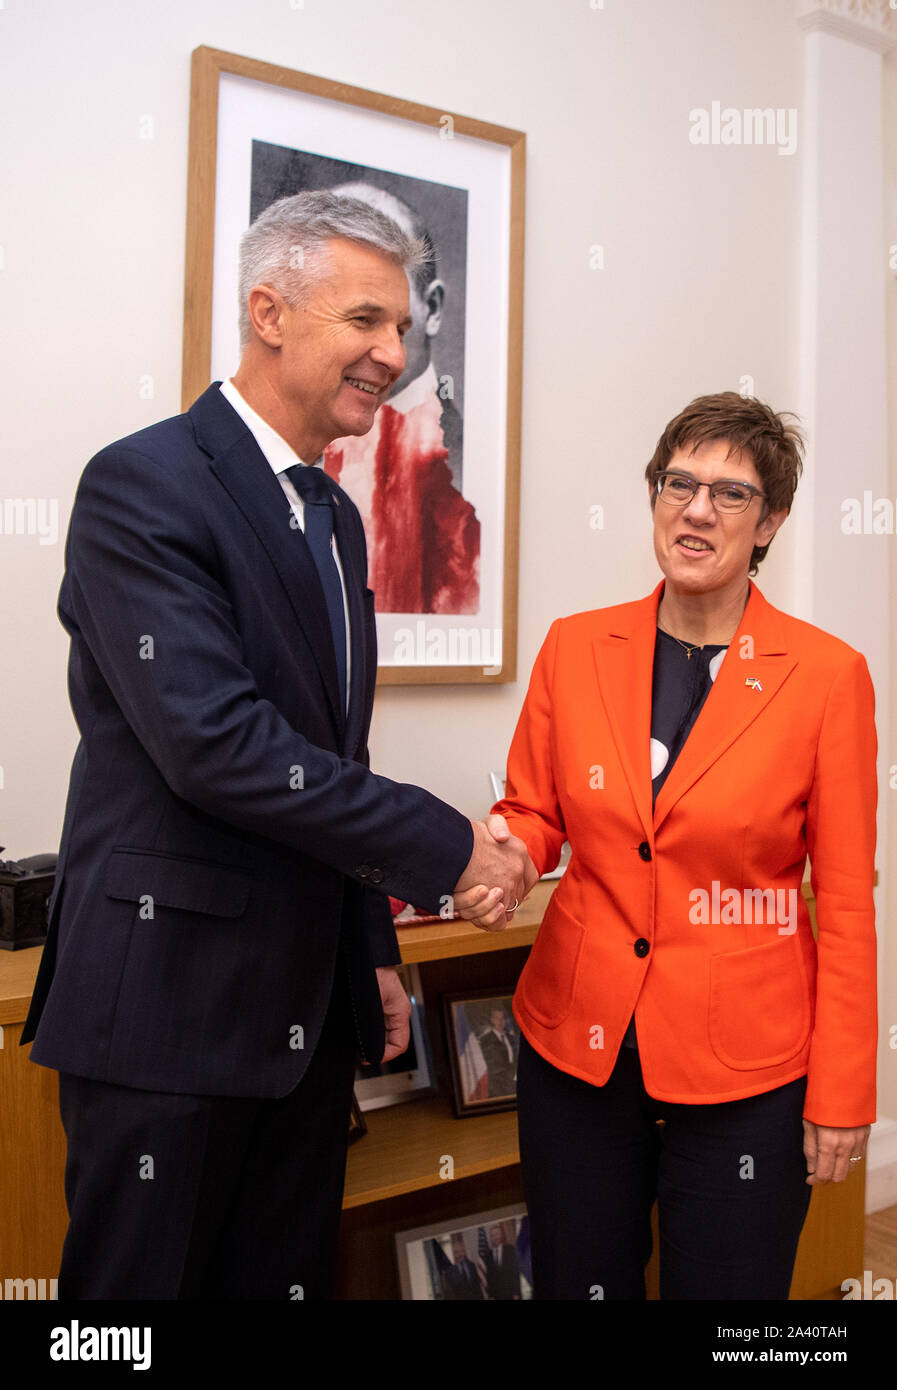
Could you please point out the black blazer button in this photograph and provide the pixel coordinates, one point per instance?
(376, 875)
(363, 871)
(642, 947)
(644, 849)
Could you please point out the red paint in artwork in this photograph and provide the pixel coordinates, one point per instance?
(423, 537)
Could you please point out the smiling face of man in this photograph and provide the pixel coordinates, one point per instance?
(343, 347)
(700, 549)
(325, 365)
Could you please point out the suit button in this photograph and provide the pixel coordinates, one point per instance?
(642, 947)
(376, 875)
(363, 871)
(644, 849)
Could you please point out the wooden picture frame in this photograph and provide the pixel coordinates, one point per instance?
(256, 132)
(483, 1078)
(425, 1256)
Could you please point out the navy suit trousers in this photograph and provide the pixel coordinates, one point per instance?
(203, 1197)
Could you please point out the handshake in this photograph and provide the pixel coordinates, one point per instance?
(498, 877)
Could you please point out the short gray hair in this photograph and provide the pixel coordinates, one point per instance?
(402, 213)
(282, 248)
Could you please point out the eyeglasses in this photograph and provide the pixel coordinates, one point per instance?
(678, 489)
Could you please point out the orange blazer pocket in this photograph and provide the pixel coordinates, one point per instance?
(759, 1004)
(549, 976)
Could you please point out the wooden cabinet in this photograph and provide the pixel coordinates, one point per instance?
(393, 1178)
(33, 1216)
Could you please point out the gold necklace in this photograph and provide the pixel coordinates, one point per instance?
(695, 647)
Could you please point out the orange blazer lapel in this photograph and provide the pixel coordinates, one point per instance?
(624, 662)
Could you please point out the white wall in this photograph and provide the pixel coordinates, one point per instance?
(700, 289)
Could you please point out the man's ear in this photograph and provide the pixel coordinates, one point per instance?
(266, 306)
(434, 299)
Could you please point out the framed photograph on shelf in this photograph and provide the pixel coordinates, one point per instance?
(410, 1076)
(437, 477)
(482, 1041)
(482, 1258)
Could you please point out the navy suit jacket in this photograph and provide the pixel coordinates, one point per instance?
(225, 842)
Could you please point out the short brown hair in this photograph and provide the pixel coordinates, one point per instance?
(748, 425)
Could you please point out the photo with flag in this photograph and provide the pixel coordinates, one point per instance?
(483, 1044)
(472, 1063)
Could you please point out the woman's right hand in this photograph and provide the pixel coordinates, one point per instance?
(482, 906)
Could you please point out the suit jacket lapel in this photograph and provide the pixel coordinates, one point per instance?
(754, 669)
(241, 468)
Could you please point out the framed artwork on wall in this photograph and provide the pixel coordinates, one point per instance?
(437, 477)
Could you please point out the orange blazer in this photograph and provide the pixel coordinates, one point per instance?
(691, 914)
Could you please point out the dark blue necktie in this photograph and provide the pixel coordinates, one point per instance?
(312, 487)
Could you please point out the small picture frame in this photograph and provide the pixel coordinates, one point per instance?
(482, 1258)
(409, 1076)
(483, 1042)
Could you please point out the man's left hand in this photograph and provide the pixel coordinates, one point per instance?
(396, 1012)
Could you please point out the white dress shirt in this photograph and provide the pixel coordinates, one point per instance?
(281, 457)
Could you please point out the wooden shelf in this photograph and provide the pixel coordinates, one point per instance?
(406, 1146)
(440, 940)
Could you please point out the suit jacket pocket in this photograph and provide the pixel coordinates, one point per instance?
(549, 976)
(759, 1005)
(192, 885)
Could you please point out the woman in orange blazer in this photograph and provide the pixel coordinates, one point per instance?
(694, 747)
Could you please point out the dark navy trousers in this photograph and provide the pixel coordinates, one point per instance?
(729, 1180)
(204, 1197)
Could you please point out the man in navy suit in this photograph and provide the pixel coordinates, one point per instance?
(220, 941)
